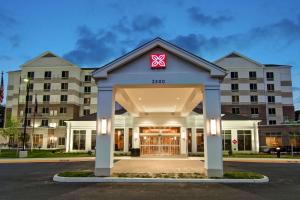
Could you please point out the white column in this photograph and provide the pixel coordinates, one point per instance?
(88, 140)
(126, 139)
(213, 156)
(68, 137)
(136, 138)
(183, 141)
(194, 140)
(256, 136)
(104, 142)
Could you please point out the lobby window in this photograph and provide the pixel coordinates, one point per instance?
(274, 139)
(65, 74)
(252, 75)
(226, 140)
(253, 87)
(244, 140)
(47, 75)
(235, 99)
(234, 87)
(29, 98)
(270, 87)
(93, 139)
(63, 98)
(294, 140)
(234, 75)
(270, 76)
(87, 101)
(47, 86)
(253, 98)
(86, 111)
(37, 140)
(272, 111)
(44, 122)
(87, 78)
(63, 110)
(189, 139)
(30, 75)
(254, 111)
(236, 111)
(62, 123)
(87, 89)
(45, 110)
(46, 98)
(64, 86)
(79, 137)
(61, 141)
(30, 86)
(272, 122)
(199, 139)
(119, 139)
(271, 99)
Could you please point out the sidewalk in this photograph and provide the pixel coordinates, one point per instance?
(83, 159)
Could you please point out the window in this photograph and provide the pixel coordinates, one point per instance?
(79, 139)
(272, 111)
(62, 141)
(30, 86)
(252, 75)
(271, 99)
(87, 89)
(28, 110)
(87, 78)
(200, 139)
(234, 87)
(270, 87)
(29, 98)
(226, 140)
(63, 110)
(274, 139)
(253, 87)
(235, 99)
(253, 99)
(28, 122)
(47, 86)
(236, 111)
(30, 75)
(119, 139)
(45, 110)
(65, 74)
(37, 140)
(254, 111)
(64, 98)
(270, 76)
(64, 86)
(46, 98)
(87, 101)
(86, 111)
(244, 140)
(294, 140)
(62, 123)
(234, 75)
(93, 139)
(44, 122)
(47, 75)
(272, 122)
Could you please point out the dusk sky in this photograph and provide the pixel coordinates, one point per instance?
(91, 33)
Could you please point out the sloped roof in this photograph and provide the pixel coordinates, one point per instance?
(230, 116)
(214, 69)
(237, 54)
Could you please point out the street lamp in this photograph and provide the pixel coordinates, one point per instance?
(27, 81)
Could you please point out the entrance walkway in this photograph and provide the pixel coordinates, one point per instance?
(158, 166)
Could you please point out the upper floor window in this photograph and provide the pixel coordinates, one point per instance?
(235, 99)
(253, 99)
(46, 98)
(29, 98)
(63, 110)
(271, 99)
(234, 87)
(64, 86)
(87, 101)
(28, 110)
(62, 123)
(270, 87)
(252, 75)
(236, 111)
(253, 87)
(44, 122)
(65, 74)
(30, 86)
(86, 111)
(64, 98)
(272, 122)
(47, 75)
(87, 78)
(30, 75)
(87, 89)
(234, 75)
(47, 86)
(272, 111)
(270, 76)
(254, 111)
(45, 110)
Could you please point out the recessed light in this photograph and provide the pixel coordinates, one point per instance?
(178, 98)
(140, 98)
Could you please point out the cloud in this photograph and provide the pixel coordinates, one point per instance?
(7, 29)
(146, 23)
(196, 15)
(296, 89)
(5, 57)
(7, 21)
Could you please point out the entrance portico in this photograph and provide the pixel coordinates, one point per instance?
(160, 94)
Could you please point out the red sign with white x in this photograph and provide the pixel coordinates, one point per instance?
(158, 61)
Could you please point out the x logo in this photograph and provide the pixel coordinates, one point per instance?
(158, 60)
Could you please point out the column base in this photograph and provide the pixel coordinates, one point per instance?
(213, 173)
(103, 171)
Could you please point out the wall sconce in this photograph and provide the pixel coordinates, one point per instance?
(104, 125)
(213, 126)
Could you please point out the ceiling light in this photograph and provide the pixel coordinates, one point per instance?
(178, 98)
(140, 98)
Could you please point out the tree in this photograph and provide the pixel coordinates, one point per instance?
(12, 131)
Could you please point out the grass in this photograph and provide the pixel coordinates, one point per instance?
(228, 175)
(261, 155)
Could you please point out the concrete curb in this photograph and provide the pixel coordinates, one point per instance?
(57, 178)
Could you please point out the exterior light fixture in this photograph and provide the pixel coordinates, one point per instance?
(213, 127)
(104, 125)
(26, 80)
